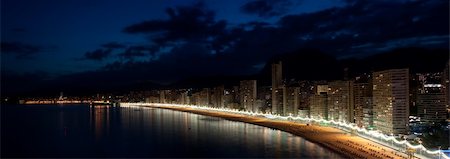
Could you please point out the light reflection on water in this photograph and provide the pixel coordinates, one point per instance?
(217, 136)
(83, 131)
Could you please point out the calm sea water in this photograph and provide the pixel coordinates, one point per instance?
(83, 131)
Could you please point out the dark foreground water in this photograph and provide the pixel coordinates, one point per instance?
(83, 131)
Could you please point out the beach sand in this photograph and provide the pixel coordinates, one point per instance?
(349, 146)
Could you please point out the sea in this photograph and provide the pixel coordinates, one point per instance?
(80, 130)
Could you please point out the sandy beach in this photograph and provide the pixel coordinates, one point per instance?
(349, 146)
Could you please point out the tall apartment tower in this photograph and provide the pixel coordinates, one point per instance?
(291, 100)
(319, 103)
(446, 83)
(431, 107)
(362, 94)
(219, 100)
(391, 101)
(277, 88)
(248, 95)
(319, 106)
(162, 96)
(340, 105)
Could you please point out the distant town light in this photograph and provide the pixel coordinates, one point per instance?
(432, 85)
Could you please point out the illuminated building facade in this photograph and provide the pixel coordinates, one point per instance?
(278, 100)
(291, 100)
(319, 106)
(446, 84)
(277, 88)
(306, 91)
(431, 98)
(391, 101)
(362, 96)
(217, 95)
(319, 102)
(231, 97)
(265, 95)
(340, 104)
(431, 107)
(363, 104)
(248, 95)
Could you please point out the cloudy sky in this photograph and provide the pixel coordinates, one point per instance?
(165, 40)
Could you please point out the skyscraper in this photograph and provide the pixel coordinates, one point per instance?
(219, 96)
(340, 105)
(265, 95)
(363, 104)
(248, 95)
(319, 106)
(446, 83)
(391, 101)
(431, 99)
(318, 103)
(431, 107)
(277, 88)
(278, 100)
(306, 91)
(291, 100)
(231, 97)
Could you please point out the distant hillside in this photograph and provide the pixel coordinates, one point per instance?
(306, 64)
(312, 64)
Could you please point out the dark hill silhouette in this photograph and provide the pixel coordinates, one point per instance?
(313, 64)
(306, 64)
(416, 59)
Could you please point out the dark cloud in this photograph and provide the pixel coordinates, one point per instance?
(185, 23)
(267, 8)
(20, 50)
(192, 43)
(97, 55)
(203, 45)
(364, 22)
(183, 61)
(114, 45)
(137, 51)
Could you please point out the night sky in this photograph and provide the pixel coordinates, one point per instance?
(168, 40)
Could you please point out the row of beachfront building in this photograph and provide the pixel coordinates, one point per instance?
(382, 100)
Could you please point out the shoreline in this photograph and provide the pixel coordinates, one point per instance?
(343, 143)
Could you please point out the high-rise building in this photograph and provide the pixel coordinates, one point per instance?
(340, 105)
(184, 99)
(248, 95)
(265, 95)
(278, 100)
(391, 101)
(431, 99)
(431, 107)
(306, 91)
(291, 100)
(363, 110)
(319, 106)
(203, 97)
(162, 96)
(218, 93)
(231, 97)
(277, 88)
(446, 83)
